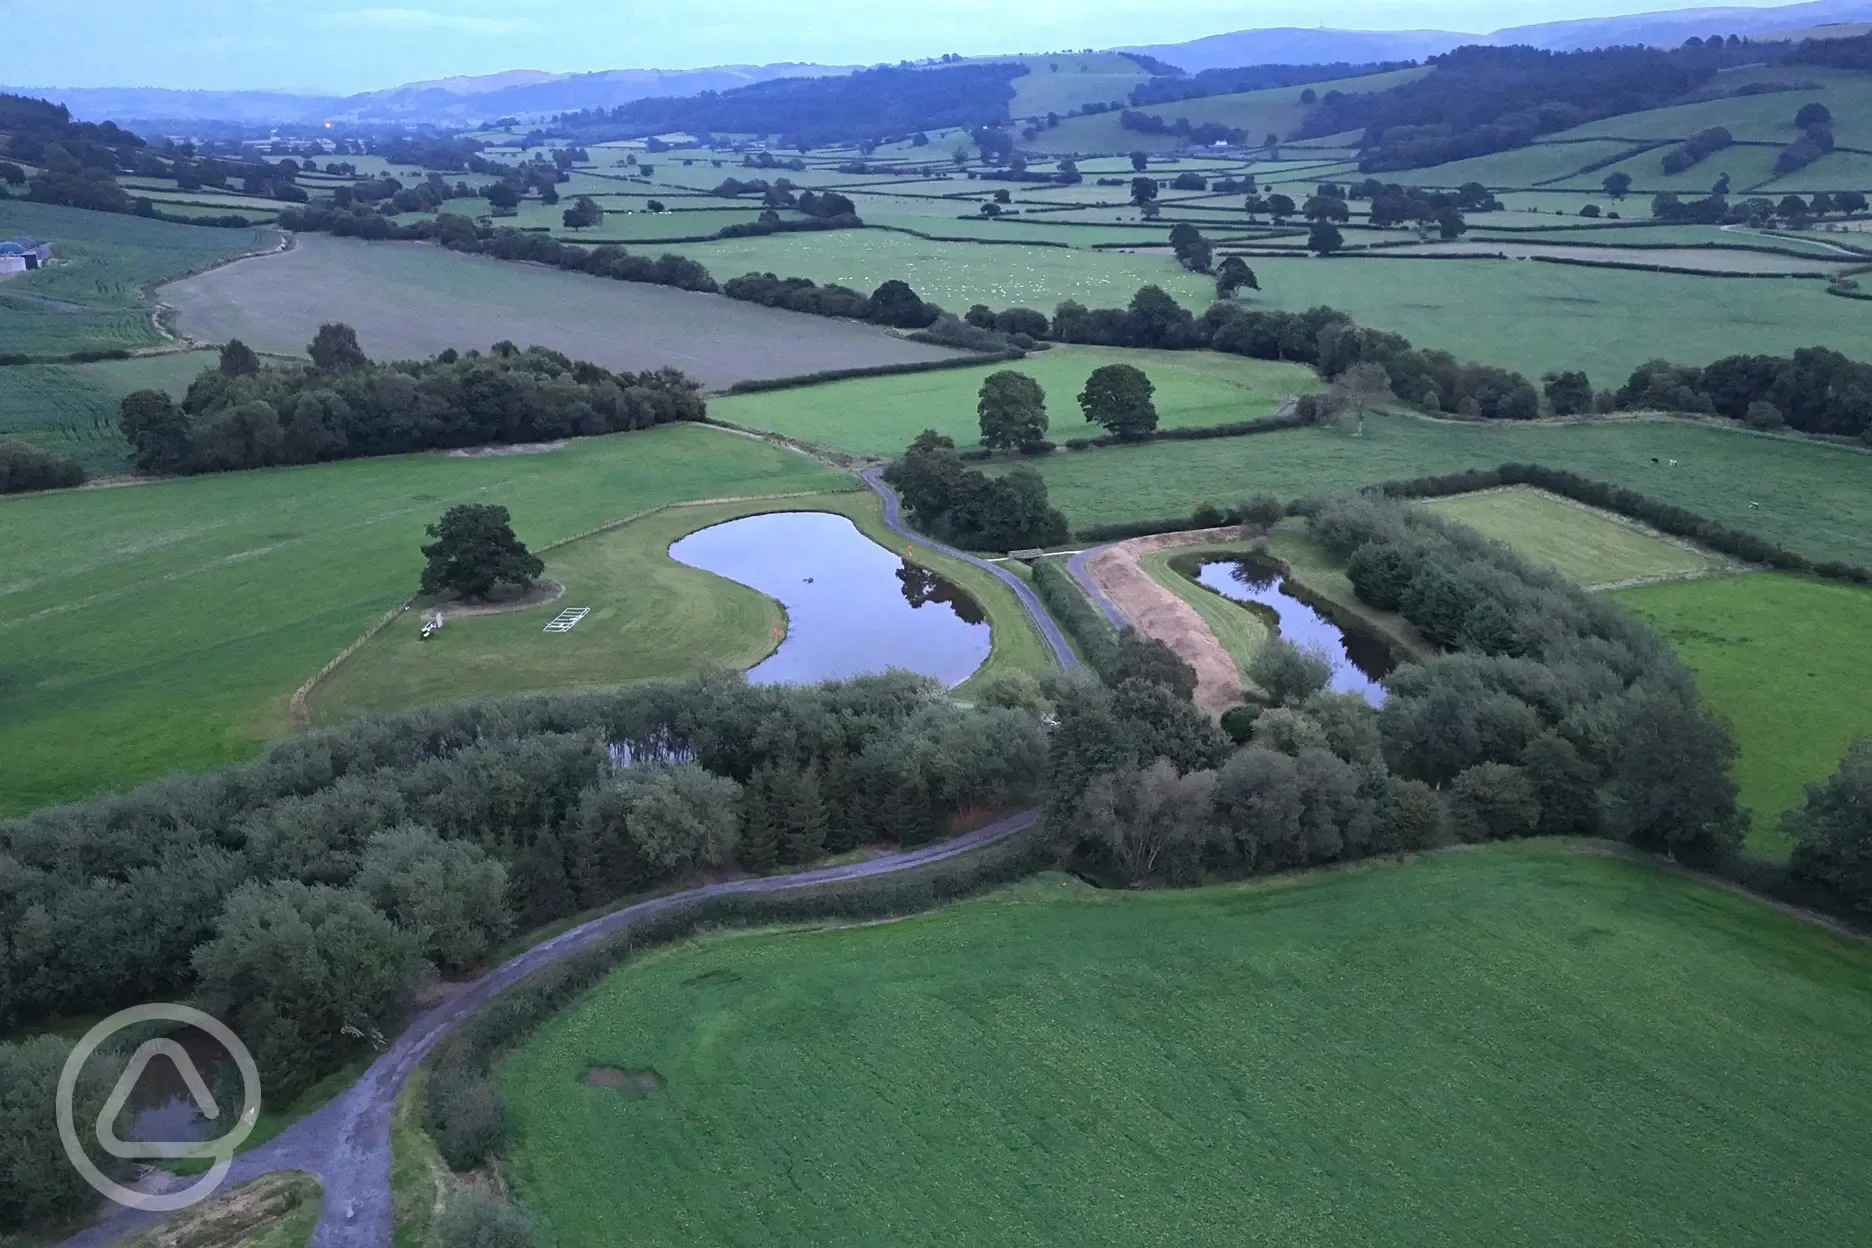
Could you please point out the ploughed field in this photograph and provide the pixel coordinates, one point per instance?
(415, 299)
(1510, 1045)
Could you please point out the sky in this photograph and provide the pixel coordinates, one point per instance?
(344, 46)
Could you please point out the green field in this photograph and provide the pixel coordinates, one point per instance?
(880, 415)
(1783, 659)
(1591, 548)
(651, 617)
(1534, 317)
(957, 275)
(1813, 496)
(413, 299)
(72, 409)
(1516, 1045)
(96, 297)
(163, 627)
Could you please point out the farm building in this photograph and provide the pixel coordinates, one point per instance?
(17, 255)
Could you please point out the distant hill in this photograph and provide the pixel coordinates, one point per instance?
(447, 101)
(1299, 46)
(1669, 29)
(1292, 45)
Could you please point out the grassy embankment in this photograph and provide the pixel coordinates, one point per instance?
(162, 627)
(1375, 1055)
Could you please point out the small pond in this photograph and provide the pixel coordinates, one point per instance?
(1359, 661)
(162, 1108)
(852, 606)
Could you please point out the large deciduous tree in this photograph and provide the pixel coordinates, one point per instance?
(335, 347)
(1118, 396)
(1012, 409)
(475, 550)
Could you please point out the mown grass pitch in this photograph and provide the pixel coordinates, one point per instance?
(162, 627)
(1812, 496)
(1587, 546)
(1510, 1045)
(652, 617)
(880, 415)
(1783, 659)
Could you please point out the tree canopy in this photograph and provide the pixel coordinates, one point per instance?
(474, 551)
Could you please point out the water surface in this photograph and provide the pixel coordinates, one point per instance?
(852, 606)
(1359, 662)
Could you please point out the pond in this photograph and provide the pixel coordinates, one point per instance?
(852, 606)
(1359, 661)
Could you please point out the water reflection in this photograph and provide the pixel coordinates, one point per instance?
(852, 606)
(1359, 661)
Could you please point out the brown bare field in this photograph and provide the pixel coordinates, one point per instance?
(1155, 611)
(413, 299)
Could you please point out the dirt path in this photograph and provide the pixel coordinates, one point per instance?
(1156, 611)
(346, 1143)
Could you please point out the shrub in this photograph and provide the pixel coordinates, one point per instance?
(477, 1219)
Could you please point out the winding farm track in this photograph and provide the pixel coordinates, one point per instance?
(1036, 611)
(347, 1142)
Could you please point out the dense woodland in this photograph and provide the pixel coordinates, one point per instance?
(1816, 390)
(245, 414)
(300, 894)
(1478, 100)
(1551, 713)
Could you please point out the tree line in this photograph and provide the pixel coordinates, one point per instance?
(1815, 390)
(25, 467)
(246, 414)
(300, 896)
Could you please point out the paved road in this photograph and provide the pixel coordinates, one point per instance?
(1077, 566)
(893, 516)
(347, 1142)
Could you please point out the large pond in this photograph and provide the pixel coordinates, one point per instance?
(1359, 662)
(852, 606)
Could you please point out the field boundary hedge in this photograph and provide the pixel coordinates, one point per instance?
(461, 1061)
(1669, 268)
(797, 380)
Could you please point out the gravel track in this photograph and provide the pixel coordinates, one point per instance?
(346, 1143)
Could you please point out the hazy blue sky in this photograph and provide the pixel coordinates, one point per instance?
(356, 45)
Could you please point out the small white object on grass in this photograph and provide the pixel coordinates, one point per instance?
(563, 622)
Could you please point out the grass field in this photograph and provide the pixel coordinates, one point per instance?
(413, 299)
(651, 617)
(1516, 1045)
(96, 296)
(72, 409)
(957, 275)
(880, 415)
(1813, 496)
(1591, 548)
(1783, 659)
(162, 627)
(1535, 317)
